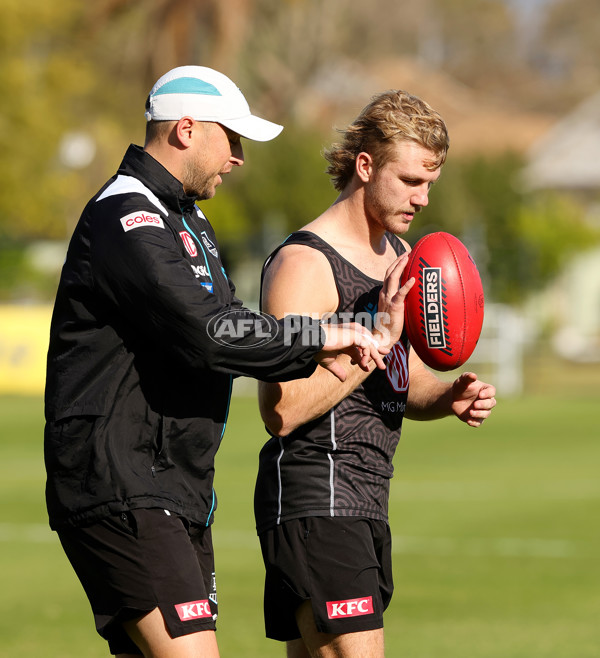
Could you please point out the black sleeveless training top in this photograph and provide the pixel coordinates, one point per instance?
(339, 464)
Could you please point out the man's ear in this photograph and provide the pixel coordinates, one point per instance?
(364, 166)
(183, 131)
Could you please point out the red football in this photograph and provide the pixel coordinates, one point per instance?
(444, 308)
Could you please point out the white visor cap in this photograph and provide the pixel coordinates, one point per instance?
(206, 95)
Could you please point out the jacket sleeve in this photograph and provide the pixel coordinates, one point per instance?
(151, 288)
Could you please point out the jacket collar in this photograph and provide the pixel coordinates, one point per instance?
(143, 166)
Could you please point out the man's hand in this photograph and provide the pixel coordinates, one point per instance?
(363, 347)
(390, 310)
(352, 339)
(472, 400)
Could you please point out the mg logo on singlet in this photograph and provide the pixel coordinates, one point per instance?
(397, 368)
(193, 610)
(350, 608)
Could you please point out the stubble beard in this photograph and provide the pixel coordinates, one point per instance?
(389, 220)
(196, 182)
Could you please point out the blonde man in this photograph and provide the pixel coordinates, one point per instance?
(321, 499)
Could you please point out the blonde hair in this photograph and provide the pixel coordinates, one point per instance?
(390, 118)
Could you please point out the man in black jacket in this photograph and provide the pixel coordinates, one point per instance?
(146, 337)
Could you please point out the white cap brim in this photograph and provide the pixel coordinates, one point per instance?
(254, 128)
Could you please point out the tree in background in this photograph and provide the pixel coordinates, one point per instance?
(74, 76)
(518, 239)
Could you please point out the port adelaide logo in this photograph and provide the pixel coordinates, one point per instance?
(434, 317)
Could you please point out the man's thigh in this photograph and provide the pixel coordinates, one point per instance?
(140, 560)
(151, 636)
(367, 644)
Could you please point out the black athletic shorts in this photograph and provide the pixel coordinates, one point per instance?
(342, 564)
(136, 561)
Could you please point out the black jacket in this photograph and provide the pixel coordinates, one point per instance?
(137, 390)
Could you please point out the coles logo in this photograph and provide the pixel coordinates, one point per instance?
(350, 608)
(141, 218)
(193, 610)
(188, 243)
(397, 368)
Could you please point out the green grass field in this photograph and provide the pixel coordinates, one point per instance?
(496, 539)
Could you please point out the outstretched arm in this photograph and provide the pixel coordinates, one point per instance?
(466, 397)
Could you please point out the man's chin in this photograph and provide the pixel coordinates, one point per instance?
(203, 194)
(210, 190)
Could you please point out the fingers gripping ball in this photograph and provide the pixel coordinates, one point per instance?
(444, 309)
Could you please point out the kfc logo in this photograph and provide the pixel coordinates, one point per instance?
(193, 610)
(141, 218)
(188, 243)
(350, 608)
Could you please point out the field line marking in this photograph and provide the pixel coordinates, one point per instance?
(401, 544)
(26, 532)
(487, 547)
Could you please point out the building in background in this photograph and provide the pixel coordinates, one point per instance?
(566, 160)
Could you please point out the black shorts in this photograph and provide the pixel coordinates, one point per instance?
(136, 561)
(343, 565)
